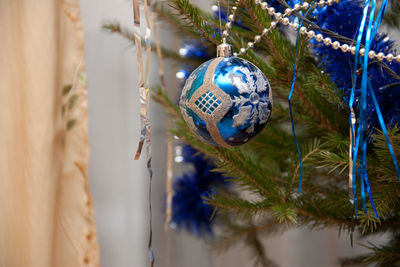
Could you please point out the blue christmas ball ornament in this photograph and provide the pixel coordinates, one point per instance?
(226, 101)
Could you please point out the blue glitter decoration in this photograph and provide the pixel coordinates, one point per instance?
(226, 101)
(189, 210)
(344, 18)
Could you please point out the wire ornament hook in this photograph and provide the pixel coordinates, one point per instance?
(220, 22)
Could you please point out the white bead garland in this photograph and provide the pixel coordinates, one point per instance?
(282, 18)
(344, 48)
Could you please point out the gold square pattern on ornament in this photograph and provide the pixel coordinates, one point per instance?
(211, 103)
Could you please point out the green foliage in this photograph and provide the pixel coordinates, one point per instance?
(196, 20)
(115, 27)
(266, 170)
(391, 18)
(385, 255)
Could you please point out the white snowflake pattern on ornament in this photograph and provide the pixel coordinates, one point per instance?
(251, 107)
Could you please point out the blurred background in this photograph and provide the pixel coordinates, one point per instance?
(119, 184)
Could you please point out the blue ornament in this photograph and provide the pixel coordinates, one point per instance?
(226, 101)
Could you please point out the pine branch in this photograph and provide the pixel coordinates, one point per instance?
(194, 17)
(254, 242)
(391, 17)
(240, 207)
(238, 165)
(115, 27)
(384, 255)
(313, 148)
(177, 24)
(234, 233)
(257, 16)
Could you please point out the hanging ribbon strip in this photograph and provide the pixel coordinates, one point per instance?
(352, 194)
(169, 164)
(290, 97)
(363, 113)
(143, 77)
(139, 55)
(359, 138)
(144, 103)
(353, 153)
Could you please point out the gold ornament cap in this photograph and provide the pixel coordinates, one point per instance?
(224, 50)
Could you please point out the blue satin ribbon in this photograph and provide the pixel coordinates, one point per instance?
(361, 141)
(359, 38)
(379, 18)
(354, 146)
(354, 153)
(363, 110)
(290, 97)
